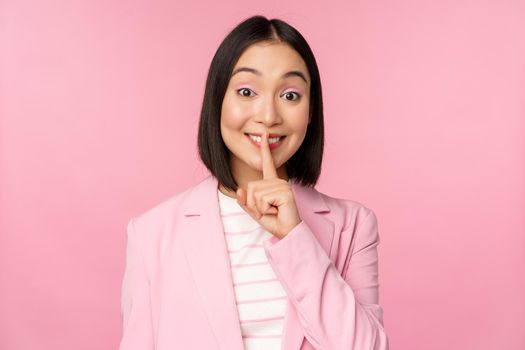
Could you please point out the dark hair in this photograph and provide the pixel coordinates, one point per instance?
(305, 165)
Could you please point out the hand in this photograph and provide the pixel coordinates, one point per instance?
(270, 201)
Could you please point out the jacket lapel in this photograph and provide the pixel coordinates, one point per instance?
(207, 256)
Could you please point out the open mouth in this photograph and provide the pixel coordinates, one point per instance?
(274, 142)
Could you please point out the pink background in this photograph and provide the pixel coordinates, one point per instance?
(425, 124)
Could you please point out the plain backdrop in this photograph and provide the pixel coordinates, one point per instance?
(425, 124)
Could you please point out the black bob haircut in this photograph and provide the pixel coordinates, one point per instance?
(305, 165)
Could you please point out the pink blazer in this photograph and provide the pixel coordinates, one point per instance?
(177, 290)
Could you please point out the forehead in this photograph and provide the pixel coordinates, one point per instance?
(272, 59)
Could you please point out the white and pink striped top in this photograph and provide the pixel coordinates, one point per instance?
(261, 300)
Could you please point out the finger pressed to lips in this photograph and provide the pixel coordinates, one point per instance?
(268, 167)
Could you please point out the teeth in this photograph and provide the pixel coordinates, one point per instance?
(270, 140)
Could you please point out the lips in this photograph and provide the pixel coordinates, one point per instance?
(269, 136)
(272, 145)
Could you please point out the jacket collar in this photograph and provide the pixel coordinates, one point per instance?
(208, 259)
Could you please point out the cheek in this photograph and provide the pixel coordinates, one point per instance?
(233, 113)
(299, 119)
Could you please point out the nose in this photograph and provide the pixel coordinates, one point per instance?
(269, 113)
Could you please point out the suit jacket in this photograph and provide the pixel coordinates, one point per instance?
(177, 290)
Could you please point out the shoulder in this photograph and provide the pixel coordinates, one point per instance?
(159, 215)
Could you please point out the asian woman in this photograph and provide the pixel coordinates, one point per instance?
(253, 256)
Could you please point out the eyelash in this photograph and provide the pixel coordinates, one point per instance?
(289, 92)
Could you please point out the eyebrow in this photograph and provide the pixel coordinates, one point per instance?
(291, 73)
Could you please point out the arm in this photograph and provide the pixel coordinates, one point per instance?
(336, 311)
(137, 331)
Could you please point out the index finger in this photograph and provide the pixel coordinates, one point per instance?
(268, 168)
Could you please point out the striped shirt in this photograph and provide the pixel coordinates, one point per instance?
(260, 297)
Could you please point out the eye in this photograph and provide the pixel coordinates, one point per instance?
(243, 90)
(291, 93)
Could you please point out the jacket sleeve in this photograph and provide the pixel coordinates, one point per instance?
(336, 311)
(137, 331)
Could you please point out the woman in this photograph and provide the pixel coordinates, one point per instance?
(253, 256)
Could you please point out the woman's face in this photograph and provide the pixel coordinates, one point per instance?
(269, 91)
